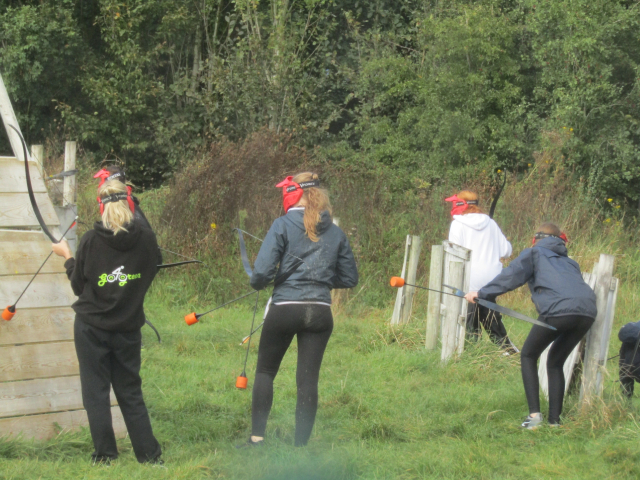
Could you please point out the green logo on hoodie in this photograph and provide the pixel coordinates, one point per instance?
(117, 275)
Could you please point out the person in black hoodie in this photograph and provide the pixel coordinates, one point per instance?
(629, 363)
(563, 300)
(301, 305)
(113, 269)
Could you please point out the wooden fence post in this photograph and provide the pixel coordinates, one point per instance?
(397, 308)
(456, 274)
(435, 298)
(69, 190)
(597, 341)
(37, 153)
(412, 270)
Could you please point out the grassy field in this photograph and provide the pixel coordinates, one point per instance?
(388, 410)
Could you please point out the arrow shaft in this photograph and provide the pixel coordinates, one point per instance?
(227, 303)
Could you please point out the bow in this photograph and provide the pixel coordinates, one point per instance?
(495, 199)
(32, 197)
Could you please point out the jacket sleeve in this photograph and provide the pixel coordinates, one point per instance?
(75, 269)
(269, 256)
(515, 275)
(629, 333)
(346, 269)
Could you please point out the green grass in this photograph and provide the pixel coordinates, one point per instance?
(388, 410)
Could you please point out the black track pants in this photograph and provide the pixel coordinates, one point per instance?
(109, 358)
(491, 321)
(313, 325)
(570, 330)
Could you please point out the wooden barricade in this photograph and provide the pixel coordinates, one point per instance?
(39, 383)
(404, 298)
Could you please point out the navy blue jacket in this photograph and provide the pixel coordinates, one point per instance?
(555, 281)
(328, 263)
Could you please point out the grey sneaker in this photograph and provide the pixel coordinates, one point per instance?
(531, 423)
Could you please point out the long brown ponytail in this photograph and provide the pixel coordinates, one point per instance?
(317, 201)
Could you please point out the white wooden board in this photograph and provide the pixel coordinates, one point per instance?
(46, 290)
(33, 325)
(14, 179)
(46, 426)
(16, 210)
(44, 395)
(38, 360)
(24, 251)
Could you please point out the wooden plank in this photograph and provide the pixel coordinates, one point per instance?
(397, 308)
(34, 325)
(454, 276)
(433, 309)
(50, 425)
(24, 251)
(49, 290)
(44, 395)
(16, 210)
(14, 180)
(600, 332)
(37, 360)
(412, 270)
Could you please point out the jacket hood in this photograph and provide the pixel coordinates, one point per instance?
(296, 217)
(556, 245)
(123, 241)
(477, 221)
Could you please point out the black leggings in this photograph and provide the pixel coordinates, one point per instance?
(313, 325)
(491, 321)
(570, 330)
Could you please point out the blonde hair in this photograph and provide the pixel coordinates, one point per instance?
(466, 195)
(317, 201)
(115, 214)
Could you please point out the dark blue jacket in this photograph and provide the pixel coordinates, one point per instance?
(328, 263)
(555, 281)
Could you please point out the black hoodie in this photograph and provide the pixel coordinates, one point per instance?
(111, 275)
(555, 281)
(328, 263)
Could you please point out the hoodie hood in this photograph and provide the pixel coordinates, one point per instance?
(295, 216)
(123, 241)
(555, 244)
(477, 221)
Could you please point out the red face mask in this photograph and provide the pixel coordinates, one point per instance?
(459, 205)
(292, 192)
(540, 236)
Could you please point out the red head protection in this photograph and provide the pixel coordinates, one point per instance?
(459, 205)
(541, 235)
(292, 191)
(105, 176)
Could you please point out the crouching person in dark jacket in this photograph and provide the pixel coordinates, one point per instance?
(629, 362)
(314, 257)
(563, 300)
(113, 269)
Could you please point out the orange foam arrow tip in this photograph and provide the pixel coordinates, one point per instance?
(191, 318)
(397, 282)
(7, 314)
(241, 382)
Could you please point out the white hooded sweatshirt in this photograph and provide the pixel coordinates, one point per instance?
(481, 235)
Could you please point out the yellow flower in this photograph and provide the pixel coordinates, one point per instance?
(528, 164)
(213, 225)
(499, 171)
(608, 220)
(564, 128)
(609, 200)
(571, 129)
(617, 206)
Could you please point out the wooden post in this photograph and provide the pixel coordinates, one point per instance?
(412, 270)
(397, 308)
(597, 342)
(37, 153)
(456, 261)
(9, 118)
(435, 298)
(69, 190)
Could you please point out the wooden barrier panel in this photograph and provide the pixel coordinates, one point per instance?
(435, 298)
(43, 395)
(456, 274)
(38, 360)
(33, 325)
(46, 426)
(48, 290)
(22, 252)
(16, 210)
(14, 180)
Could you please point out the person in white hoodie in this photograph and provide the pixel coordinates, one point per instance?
(473, 229)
